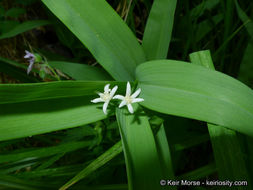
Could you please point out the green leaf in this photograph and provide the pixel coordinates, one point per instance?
(30, 109)
(103, 32)
(206, 26)
(15, 70)
(8, 25)
(192, 91)
(245, 19)
(142, 160)
(23, 27)
(43, 152)
(13, 93)
(37, 117)
(225, 143)
(14, 12)
(200, 172)
(203, 6)
(158, 30)
(11, 182)
(81, 71)
(163, 150)
(93, 166)
(245, 73)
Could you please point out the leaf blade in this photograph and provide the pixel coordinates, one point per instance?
(158, 29)
(192, 91)
(110, 41)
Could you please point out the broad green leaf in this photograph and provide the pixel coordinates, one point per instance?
(31, 118)
(81, 71)
(30, 109)
(23, 27)
(225, 143)
(103, 32)
(13, 93)
(142, 160)
(192, 91)
(158, 30)
(93, 166)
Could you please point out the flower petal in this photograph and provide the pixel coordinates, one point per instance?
(96, 100)
(137, 100)
(113, 91)
(137, 92)
(122, 103)
(120, 97)
(28, 55)
(29, 68)
(106, 88)
(130, 108)
(105, 107)
(128, 89)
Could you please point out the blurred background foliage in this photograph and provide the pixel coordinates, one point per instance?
(48, 161)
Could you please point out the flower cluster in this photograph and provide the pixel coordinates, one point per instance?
(127, 100)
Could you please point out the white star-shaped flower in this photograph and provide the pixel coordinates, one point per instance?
(106, 96)
(129, 99)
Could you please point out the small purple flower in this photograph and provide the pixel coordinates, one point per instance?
(31, 59)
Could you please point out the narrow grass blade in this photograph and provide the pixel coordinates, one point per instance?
(23, 27)
(163, 150)
(245, 73)
(191, 142)
(43, 152)
(16, 183)
(158, 30)
(230, 37)
(142, 159)
(200, 172)
(192, 91)
(51, 161)
(228, 20)
(244, 18)
(93, 166)
(225, 143)
(202, 7)
(206, 26)
(103, 32)
(81, 71)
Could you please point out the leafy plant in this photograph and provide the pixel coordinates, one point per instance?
(169, 87)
